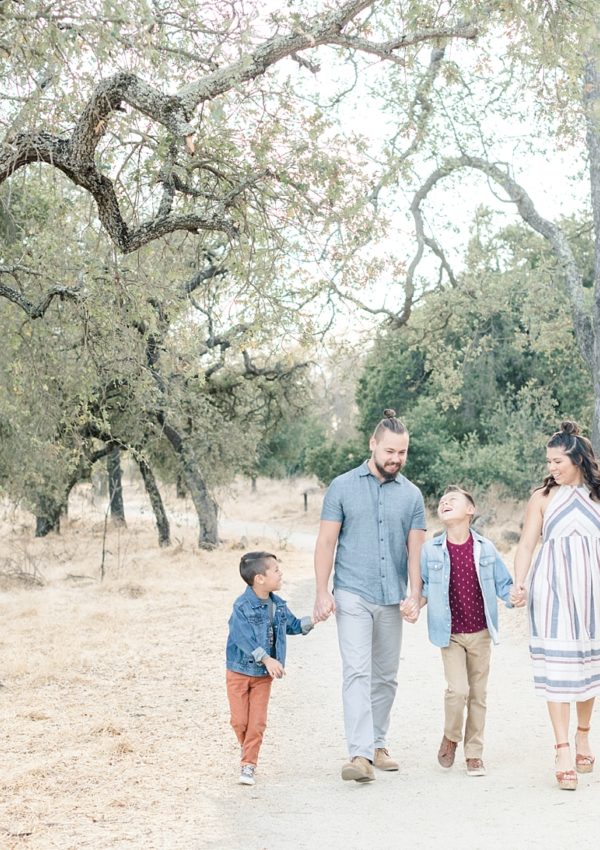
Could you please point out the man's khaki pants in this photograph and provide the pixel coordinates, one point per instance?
(466, 666)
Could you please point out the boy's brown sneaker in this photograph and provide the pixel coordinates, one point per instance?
(446, 753)
(475, 767)
(383, 760)
(358, 768)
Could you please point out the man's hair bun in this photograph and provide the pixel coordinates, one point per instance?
(390, 422)
(570, 427)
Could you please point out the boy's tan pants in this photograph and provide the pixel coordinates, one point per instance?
(466, 666)
(248, 700)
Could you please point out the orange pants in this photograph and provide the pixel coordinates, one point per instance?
(248, 701)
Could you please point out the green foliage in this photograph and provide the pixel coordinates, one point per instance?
(483, 365)
(332, 458)
(484, 372)
(285, 450)
(133, 352)
(393, 378)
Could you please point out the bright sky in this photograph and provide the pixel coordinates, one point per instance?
(553, 173)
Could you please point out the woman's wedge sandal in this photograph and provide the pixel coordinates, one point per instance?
(567, 779)
(583, 764)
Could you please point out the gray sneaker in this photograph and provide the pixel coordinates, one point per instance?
(247, 775)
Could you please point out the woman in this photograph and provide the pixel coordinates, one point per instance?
(564, 593)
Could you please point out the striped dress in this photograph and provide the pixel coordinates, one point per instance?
(564, 599)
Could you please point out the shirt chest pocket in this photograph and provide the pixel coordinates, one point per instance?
(436, 571)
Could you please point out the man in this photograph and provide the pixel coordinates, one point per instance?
(376, 519)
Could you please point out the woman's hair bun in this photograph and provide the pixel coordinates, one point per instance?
(389, 413)
(570, 427)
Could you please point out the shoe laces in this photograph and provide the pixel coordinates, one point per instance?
(248, 770)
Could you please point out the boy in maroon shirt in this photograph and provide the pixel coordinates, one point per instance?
(463, 575)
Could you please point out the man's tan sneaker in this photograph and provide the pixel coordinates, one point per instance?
(358, 768)
(384, 761)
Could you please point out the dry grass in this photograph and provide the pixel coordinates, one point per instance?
(105, 687)
(108, 688)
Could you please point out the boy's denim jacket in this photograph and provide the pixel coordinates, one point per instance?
(492, 574)
(248, 639)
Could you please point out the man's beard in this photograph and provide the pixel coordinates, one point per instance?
(385, 473)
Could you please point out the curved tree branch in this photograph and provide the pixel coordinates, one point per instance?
(36, 311)
(549, 230)
(75, 155)
(386, 49)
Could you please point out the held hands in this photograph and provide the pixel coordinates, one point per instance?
(324, 607)
(274, 667)
(409, 609)
(518, 595)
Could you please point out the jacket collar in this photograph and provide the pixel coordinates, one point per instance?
(256, 601)
(441, 539)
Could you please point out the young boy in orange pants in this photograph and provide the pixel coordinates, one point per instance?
(256, 647)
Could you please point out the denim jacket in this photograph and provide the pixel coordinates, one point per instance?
(248, 641)
(492, 574)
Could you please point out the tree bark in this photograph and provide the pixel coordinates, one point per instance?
(75, 155)
(205, 505)
(591, 103)
(50, 510)
(180, 487)
(115, 487)
(48, 516)
(162, 522)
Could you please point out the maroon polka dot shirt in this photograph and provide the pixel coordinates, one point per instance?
(466, 599)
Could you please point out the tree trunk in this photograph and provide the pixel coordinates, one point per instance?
(49, 510)
(253, 483)
(206, 507)
(596, 414)
(48, 516)
(115, 487)
(162, 522)
(180, 487)
(591, 103)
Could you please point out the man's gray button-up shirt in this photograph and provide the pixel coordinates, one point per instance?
(371, 558)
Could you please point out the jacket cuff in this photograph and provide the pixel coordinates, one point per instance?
(307, 625)
(258, 654)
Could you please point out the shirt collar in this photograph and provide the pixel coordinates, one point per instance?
(363, 471)
(441, 538)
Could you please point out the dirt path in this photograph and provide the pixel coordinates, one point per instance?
(114, 726)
